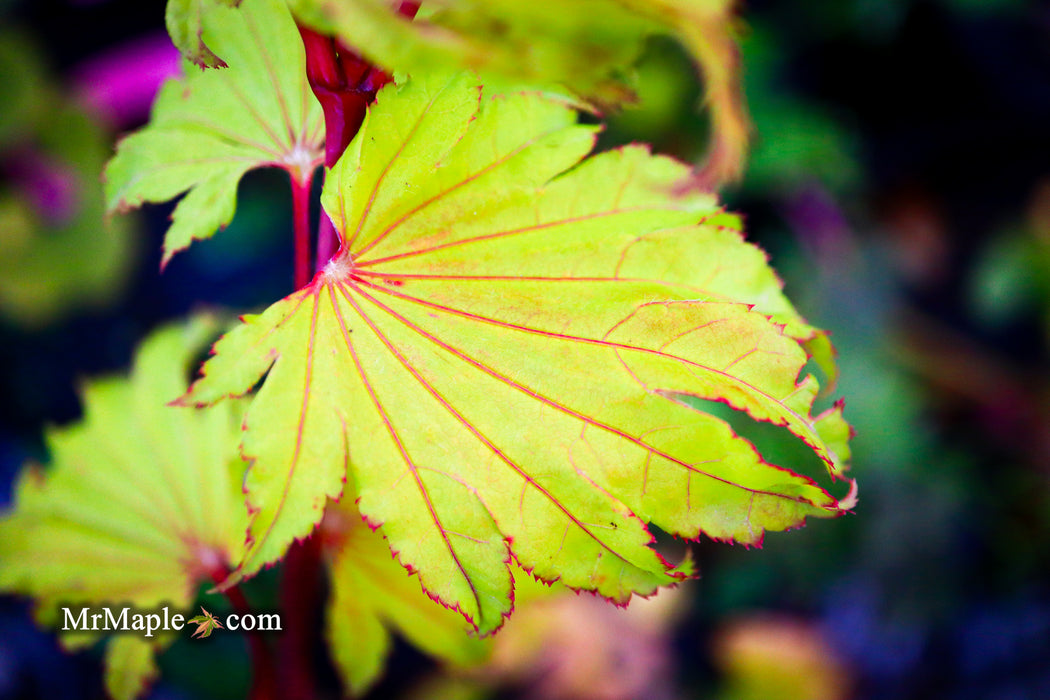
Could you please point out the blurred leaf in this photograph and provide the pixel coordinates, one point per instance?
(24, 87)
(588, 46)
(766, 657)
(130, 667)
(796, 138)
(372, 594)
(1010, 274)
(563, 646)
(140, 505)
(666, 90)
(58, 253)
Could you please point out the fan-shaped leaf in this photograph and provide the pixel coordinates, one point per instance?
(209, 128)
(497, 359)
(140, 505)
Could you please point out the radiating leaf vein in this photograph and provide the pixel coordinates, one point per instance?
(545, 399)
(399, 443)
(473, 430)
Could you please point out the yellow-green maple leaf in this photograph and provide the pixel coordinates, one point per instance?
(185, 23)
(143, 503)
(209, 128)
(496, 360)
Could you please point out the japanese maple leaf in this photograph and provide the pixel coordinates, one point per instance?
(144, 522)
(206, 624)
(209, 128)
(501, 359)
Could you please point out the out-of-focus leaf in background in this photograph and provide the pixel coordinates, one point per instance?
(564, 646)
(139, 507)
(59, 254)
(775, 657)
(371, 596)
(587, 47)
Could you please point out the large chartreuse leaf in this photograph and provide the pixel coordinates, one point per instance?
(140, 505)
(370, 595)
(588, 46)
(209, 128)
(499, 359)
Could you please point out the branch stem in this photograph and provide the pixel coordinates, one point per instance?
(301, 186)
(326, 241)
(264, 666)
(301, 597)
(345, 84)
(335, 78)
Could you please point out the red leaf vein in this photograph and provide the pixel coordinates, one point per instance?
(384, 416)
(547, 400)
(471, 428)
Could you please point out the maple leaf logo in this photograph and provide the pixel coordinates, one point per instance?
(206, 624)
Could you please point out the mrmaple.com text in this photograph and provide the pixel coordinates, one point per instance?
(129, 620)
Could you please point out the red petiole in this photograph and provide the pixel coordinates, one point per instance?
(345, 84)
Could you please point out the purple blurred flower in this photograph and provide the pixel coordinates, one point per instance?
(119, 85)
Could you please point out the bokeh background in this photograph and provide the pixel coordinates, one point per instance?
(900, 181)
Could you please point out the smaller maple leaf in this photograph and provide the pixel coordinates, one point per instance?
(206, 624)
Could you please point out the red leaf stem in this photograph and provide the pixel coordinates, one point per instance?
(345, 84)
(301, 222)
(326, 241)
(337, 78)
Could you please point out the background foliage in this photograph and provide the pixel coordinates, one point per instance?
(908, 214)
